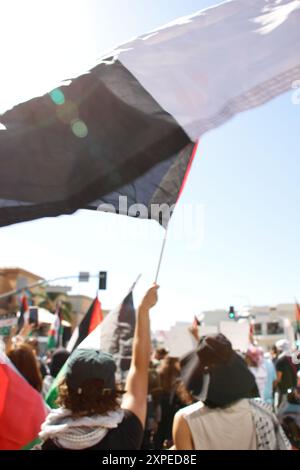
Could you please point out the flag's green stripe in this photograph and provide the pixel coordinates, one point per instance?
(31, 444)
(51, 342)
(53, 392)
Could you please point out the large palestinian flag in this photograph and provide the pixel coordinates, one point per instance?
(115, 334)
(127, 127)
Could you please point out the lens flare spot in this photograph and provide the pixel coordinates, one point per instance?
(57, 96)
(68, 112)
(79, 128)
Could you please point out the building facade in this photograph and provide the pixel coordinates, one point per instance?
(12, 279)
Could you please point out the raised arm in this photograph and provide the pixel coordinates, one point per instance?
(135, 398)
(20, 337)
(194, 330)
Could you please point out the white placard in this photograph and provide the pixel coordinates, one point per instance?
(237, 333)
(179, 341)
(205, 330)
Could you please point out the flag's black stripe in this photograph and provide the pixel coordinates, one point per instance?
(43, 163)
(160, 185)
(83, 329)
(117, 332)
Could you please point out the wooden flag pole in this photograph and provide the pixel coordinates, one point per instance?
(161, 253)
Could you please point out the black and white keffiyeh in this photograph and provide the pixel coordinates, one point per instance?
(269, 433)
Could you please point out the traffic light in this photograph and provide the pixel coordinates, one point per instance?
(102, 280)
(231, 313)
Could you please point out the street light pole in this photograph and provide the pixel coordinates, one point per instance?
(40, 283)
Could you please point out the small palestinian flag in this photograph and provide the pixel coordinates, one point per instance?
(90, 321)
(251, 332)
(56, 330)
(113, 335)
(297, 317)
(23, 309)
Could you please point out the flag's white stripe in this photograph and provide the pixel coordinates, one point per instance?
(4, 360)
(205, 68)
(73, 339)
(93, 340)
(106, 329)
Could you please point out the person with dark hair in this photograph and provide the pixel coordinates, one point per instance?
(286, 371)
(25, 361)
(58, 359)
(153, 409)
(170, 399)
(274, 353)
(224, 387)
(160, 354)
(93, 413)
(34, 344)
(289, 415)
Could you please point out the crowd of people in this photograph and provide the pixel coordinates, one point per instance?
(196, 402)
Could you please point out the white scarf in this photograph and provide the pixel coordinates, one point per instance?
(78, 433)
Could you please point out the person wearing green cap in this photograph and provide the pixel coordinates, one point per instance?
(94, 414)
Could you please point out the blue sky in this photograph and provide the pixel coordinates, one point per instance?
(245, 179)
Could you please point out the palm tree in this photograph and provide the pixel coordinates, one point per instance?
(49, 301)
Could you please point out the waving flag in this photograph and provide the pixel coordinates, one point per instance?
(55, 330)
(22, 410)
(297, 317)
(90, 321)
(23, 309)
(125, 130)
(113, 335)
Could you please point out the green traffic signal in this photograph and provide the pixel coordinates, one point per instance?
(231, 312)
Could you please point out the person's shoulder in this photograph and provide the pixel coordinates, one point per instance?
(264, 407)
(192, 410)
(129, 433)
(281, 360)
(130, 418)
